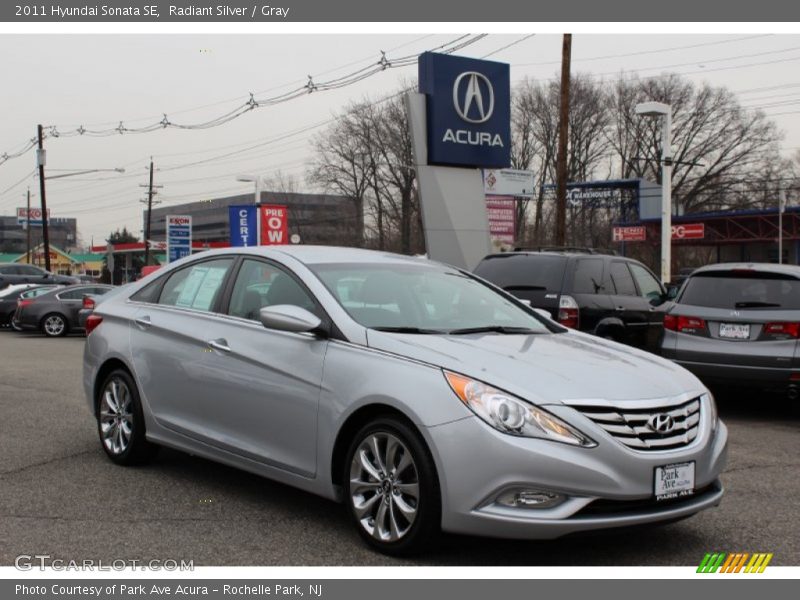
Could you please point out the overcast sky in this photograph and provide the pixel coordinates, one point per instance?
(97, 81)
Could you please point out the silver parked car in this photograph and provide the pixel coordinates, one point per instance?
(738, 324)
(424, 398)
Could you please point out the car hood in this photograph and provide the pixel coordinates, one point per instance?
(547, 368)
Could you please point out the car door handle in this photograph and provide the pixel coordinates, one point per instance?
(143, 322)
(220, 344)
(620, 308)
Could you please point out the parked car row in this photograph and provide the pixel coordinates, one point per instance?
(730, 324)
(55, 310)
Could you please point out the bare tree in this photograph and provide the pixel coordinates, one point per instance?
(366, 155)
(534, 136)
(718, 145)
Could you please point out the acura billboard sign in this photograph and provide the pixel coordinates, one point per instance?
(468, 110)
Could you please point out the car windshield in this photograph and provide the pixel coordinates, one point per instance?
(409, 298)
(747, 289)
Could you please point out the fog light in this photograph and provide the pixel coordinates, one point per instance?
(522, 498)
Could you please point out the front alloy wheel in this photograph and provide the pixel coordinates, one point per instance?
(392, 490)
(384, 487)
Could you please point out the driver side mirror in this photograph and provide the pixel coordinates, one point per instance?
(287, 317)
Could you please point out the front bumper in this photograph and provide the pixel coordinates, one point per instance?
(476, 463)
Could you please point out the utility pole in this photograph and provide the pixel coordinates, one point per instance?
(563, 128)
(150, 193)
(40, 161)
(28, 230)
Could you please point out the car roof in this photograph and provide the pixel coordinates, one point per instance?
(563, 253)
(311, 255)
(791, 270)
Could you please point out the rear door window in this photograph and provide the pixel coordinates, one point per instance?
(197, 286)
(588, 276)
(74, 294)
(752, 290)
(621, 279)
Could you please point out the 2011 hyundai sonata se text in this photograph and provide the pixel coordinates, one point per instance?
(422, 397)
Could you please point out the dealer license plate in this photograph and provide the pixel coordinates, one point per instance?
(674, 481)
(734, 331)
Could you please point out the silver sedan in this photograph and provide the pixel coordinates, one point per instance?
(424, 398)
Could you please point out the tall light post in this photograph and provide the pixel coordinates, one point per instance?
(257, 179)
(658, 109)
(781, 209)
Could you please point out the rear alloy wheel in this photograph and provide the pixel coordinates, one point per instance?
(54, 325)
(392, 490)
(120, 422)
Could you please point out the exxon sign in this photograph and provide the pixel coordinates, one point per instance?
(468, 110)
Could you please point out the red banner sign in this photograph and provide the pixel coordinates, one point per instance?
(689, 231)
(629, 234)
(274, 224)
(502, 218)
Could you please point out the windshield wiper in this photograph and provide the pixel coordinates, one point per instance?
(418, 330)
(492, 329)
(756, 305)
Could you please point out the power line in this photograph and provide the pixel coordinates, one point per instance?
(643, 52)
(311, 86)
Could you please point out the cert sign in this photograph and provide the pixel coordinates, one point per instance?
(179, 236)
(244, 227)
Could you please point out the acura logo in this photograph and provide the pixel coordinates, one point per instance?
(662, 423)
(473, 97)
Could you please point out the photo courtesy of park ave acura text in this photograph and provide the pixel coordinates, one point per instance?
(518, 299)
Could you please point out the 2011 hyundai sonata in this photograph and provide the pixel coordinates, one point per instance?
(421, 396)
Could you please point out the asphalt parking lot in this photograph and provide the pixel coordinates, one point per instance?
(60, 495)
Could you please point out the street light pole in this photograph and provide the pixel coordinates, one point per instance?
(658, 109)
(257, 200)
(781, 208)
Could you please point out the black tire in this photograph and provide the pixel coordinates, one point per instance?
(137, 450)
(421, 534)
(54, 325)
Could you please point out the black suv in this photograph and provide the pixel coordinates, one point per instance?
(13, 273)
(610, 296)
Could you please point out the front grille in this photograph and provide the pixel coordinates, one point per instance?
(634, 427)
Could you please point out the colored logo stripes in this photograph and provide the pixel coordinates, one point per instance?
(734, 562)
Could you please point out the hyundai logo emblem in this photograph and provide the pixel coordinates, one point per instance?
(468, 97)
(662, 423)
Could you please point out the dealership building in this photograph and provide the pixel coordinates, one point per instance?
(324, 219)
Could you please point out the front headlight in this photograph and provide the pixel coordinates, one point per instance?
(712, 410)
(511, 415)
